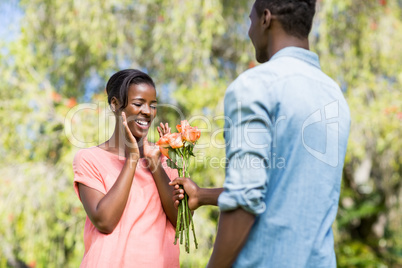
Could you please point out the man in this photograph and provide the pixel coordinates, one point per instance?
(286, 134)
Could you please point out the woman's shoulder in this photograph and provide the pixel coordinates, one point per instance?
(91, 154)
(87, 151)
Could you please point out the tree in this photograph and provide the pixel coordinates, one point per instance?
(64, 46)
(358, 43)
(53, 103)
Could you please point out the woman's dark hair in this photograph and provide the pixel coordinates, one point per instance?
(295, 16)
(120, 82)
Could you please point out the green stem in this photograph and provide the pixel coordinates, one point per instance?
(188, 226)
(192, 228)
(184, 217)
(184, 223)
(178, 223)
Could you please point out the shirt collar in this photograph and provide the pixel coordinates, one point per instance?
(299, 53)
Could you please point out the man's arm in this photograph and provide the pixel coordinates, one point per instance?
(248, 136)
(233, 229)
(197, 196)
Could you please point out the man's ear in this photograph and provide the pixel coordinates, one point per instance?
(114, 104)
(266, 18)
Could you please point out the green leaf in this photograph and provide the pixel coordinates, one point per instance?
(189, 146)
(179, 162)
(173, 155)
(191, 153)
(171, 164)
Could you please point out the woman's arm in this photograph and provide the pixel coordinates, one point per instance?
(152, 154)
(105, 211)
(165, 191)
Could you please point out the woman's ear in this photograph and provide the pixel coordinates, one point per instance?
(114, 104)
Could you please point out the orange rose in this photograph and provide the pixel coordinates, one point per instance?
(183, 126)
(163, 144)
(175, 140)
(191, 134)
(164, 151)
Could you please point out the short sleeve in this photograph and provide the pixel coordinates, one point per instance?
(248, 140)
(171, 172)
(86, 172)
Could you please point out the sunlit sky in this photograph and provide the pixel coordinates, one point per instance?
(10, 14)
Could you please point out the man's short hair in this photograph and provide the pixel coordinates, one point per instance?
(295, 16)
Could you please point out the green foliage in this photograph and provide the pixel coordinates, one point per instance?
(356, 254)
(193, 50)
(358, 44)
(69, 40)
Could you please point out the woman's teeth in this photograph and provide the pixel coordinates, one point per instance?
(142, 123)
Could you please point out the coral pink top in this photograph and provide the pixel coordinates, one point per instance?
(144, 236)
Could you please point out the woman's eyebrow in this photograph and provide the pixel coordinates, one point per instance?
(142, 99)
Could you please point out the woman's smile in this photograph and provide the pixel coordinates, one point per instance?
(141, 108)
(143, 123)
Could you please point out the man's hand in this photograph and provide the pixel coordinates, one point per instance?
(191, 189)
(196, 196)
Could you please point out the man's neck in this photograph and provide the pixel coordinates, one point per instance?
(283, 40)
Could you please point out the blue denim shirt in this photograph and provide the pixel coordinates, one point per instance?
(286, 132)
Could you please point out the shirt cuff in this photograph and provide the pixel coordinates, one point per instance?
(251, 200)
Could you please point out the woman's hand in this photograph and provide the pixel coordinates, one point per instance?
(131, 147)
(151, 151)
(163, 130)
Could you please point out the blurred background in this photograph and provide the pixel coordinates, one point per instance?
(57, 55)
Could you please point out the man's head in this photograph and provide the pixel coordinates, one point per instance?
(294, 19)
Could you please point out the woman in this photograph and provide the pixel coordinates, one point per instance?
(123, 184)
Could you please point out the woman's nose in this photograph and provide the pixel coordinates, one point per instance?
(146, 109)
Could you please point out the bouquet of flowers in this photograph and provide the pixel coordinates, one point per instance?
(178, 147)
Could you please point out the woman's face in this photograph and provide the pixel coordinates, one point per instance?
(141, 108)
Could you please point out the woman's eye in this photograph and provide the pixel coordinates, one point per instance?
(153, 106)
(137, 104)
